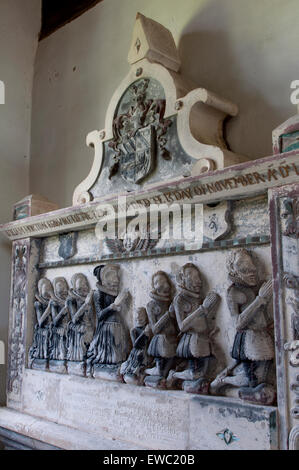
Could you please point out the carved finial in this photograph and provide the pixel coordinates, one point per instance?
(154, 42)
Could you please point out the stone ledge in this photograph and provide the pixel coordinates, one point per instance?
(22, 431)
(104, 414)
(238, 181)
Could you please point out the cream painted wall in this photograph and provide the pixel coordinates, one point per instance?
(244, 50)
(19, 28)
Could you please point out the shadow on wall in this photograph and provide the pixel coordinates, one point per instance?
(234, 49)
(5, 254)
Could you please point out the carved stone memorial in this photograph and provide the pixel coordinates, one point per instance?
(253, 347)
(58, 326)
(39, 351)
(109, 347)
(160, 311)
(162, 323)
(133, 369)
(192, 315)
(81, 326)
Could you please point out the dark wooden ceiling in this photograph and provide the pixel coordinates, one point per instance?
(56, 13)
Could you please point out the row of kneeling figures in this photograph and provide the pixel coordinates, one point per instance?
(171, 341)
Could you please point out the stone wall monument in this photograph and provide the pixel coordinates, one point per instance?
(160, 311)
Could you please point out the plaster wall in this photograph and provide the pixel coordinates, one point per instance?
(244, 51)
(19, 28)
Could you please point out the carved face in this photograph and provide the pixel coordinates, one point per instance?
(191, 279)
(141, 317)
(129, 241)
(81, 286)
(61, 289)
(161, 284)
(45, 290)
(110, 278)
(245, 269)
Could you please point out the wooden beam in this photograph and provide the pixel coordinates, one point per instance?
(57, 13)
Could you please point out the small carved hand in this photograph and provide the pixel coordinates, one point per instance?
(122, 297)
(266, 291)
(116, 307)
(291, 345)
(210, 301)
(88, 297)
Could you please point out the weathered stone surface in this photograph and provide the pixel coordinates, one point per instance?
(240, 181)
(80, 328)
(153, 419)
(254, 427)
(40, 434)
(284, 234)
(32, 205)
(286, 136)
(109, 409)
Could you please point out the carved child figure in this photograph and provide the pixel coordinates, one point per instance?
(58, 332)
(81, 327)
(39, 351)
(109, 347)
(162, 323)
(132, 369)
(192, 316)
(253, 348)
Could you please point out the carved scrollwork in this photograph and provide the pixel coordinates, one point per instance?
(291, 216)
(16, 341)
(294, 438)
(292, 282)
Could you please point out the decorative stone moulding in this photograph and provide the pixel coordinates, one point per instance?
(32, 205)
(284, 220)
(285, 137)
(196, 113)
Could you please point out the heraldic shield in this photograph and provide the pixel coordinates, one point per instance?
(67, 245)
(138, 154)
(217, 221)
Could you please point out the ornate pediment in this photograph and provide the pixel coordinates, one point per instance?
(150, 134)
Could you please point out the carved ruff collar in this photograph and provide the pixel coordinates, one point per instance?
(163, 298)
(238, 282)
(42, 300)
(75, 295)
(59, 300)
(241, 285)
(108, 290)
(196, 295)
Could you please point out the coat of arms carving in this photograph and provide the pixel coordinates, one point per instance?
(67, 245)
(218, 221)
(138, 134)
